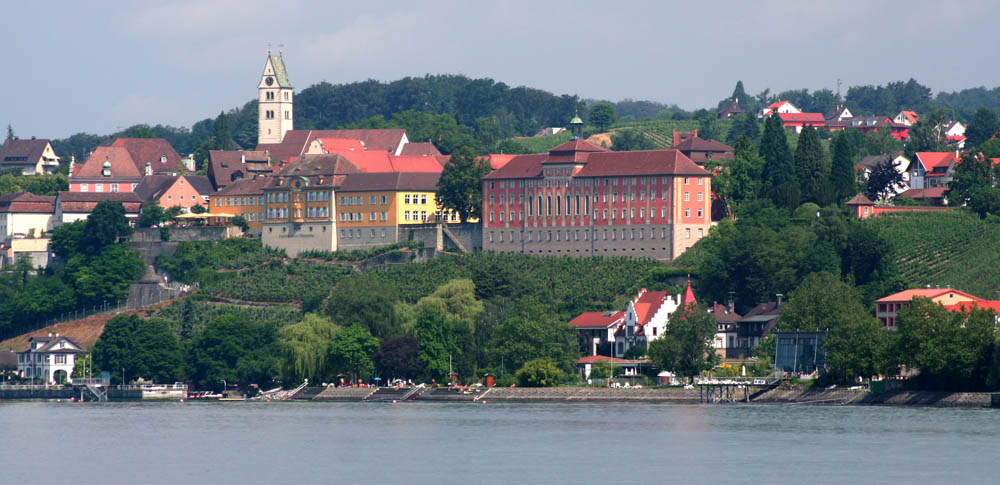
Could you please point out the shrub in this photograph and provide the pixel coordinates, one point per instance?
(539, 373)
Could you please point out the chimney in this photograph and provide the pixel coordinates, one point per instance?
(149, 169)
(243, 157)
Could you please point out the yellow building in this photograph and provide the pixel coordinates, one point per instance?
(244, 197)
(374, 209)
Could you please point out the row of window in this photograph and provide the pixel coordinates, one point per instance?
(629, 213)
(417, 216)
(100, 187)
(598, 234)
(356, 233)
(624, 197)
(269, 114)
(237, 201)
(277, 197)
(269, 95)
(587, 182)
(407, 199)
(359, 217)
(358, 200)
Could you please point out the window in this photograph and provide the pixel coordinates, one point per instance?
(491, 216)
(100, 188)
(84, 187)
(406, 199)
(699, 195)
(632, 213)
(686, 179)
(687, 233)
(701, 232)
(423, 199)
(663, 212)
(529, 207)
(383, 199)
(687, 196)
(114, 187)
(501, 218)
(406, 216)
(700, 180)
(699, 213)
(687, 212)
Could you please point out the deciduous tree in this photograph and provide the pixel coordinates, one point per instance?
(460, 188)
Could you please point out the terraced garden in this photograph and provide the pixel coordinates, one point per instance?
(945, 248)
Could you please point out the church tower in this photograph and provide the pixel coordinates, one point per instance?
(274, 102)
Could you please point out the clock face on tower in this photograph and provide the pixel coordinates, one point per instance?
(269, 80)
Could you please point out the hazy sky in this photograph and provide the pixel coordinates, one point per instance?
(98, 66)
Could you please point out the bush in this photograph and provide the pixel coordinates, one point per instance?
(164, 234)
(539, 373)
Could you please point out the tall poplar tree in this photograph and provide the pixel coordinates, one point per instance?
(781, 184)
(842, 168)
(812, 168)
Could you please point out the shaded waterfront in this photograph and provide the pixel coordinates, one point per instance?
(494, 443)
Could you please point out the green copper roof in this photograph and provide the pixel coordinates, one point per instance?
(576, 121)
(280, 75)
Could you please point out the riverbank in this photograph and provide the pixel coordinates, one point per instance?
(891, 398)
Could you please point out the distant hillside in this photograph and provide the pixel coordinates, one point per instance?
(945, 248)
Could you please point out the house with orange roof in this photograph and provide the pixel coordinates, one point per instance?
(906, 117)
(887, 308)
(932, 169)
(797, 121)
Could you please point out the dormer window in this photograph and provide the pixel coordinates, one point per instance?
(107, 168)
(163, 159)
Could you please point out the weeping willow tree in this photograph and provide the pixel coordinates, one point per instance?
(305, 346)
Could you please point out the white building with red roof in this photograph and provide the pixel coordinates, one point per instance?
(644, 319)
(781, 106)
(932, 169)
(580, 199)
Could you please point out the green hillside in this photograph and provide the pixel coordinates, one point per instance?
(945, 248)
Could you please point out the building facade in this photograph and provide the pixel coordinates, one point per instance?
(583, 200)
(274, 101)
(32, 157)
(49, 359)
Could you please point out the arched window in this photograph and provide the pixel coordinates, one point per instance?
(548, 205)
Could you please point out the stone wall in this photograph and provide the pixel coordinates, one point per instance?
(193, 233)
(453, 237)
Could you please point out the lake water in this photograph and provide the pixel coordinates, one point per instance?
(285, 442)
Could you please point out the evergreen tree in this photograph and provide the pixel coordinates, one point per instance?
(781, 184)
(984, 125)
(739, 93)
(812, 168)
(223, 135)
(842, 168)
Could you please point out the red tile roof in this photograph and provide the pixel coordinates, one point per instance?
(334, 145)
(688, 298)
(647, 304)
(86, 201)
(597, 319)
(593, 359)
(422, 148)
(157, 152)
(122, 164)
(723, 315)
(499, 160)
(963, 306)
(296, 142)
(652, 162)
(815, 119)
(248, 186)
(695, 144)
(932, 160)
(928, 193)
(363, 182)
(909, 295)
(26, 202)
(859, 199)
(417, 163)
(369, 161)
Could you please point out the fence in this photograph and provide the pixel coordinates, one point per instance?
(135, 301)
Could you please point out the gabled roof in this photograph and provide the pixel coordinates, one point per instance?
(933, 160)
(598, 320)
(334, 145)
(246, 186)
(51, 344)
(732, 108)
(280, 74)
(762, 312)
(122, 164)
(839, 112)
(26, 202)
(816, 119)
(928, 193)
(912, 116)
(859, 199)
(871, 161)
(157, 152)
(417, 181)
(652, 162)
(593, 359)
(153, 186)
(962, 306)
(723, 315)
(422, 148)
(930, 293)
(688, 298)
(499, 160)
(22, 152)
(296, 142)
(223, 164)
(648, 303)
(696, 144)
(310, 165)
(86, 201)
(416, 163)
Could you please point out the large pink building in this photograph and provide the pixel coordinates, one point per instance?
(580, 199)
